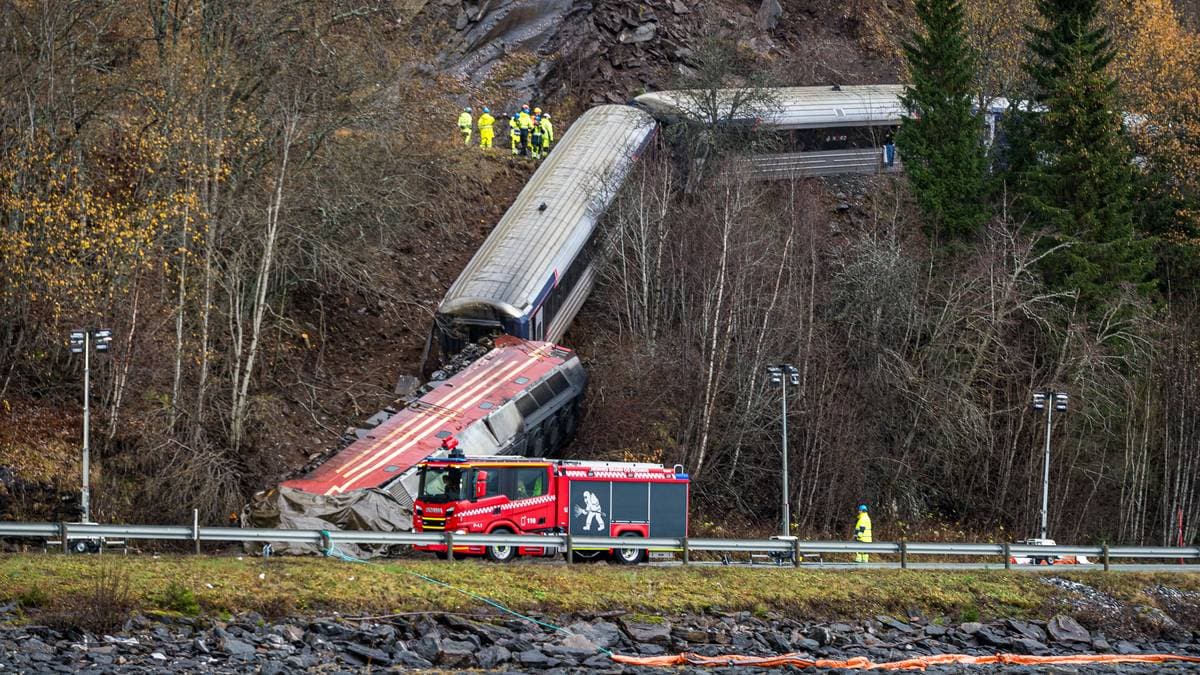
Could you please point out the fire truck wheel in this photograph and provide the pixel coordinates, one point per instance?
(629, 556)
(501, 554)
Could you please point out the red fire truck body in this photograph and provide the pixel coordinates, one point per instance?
(491, 495)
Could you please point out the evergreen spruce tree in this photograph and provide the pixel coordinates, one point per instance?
(1080, 187)
(940, 139)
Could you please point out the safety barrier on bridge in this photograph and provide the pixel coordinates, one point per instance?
(792, 551)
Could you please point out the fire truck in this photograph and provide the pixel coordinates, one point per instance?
(513, 495)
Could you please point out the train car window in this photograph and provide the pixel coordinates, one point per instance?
(542, 393)
(527, 405)
(558, 383)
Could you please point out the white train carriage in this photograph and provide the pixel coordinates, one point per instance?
(536, 268)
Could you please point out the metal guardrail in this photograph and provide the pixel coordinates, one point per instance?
(791, 550)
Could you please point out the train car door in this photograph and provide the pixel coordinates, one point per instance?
(537, 332)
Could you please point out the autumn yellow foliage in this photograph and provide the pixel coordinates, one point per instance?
(66, 244)
(1159, 63)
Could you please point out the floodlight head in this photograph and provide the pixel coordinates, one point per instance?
(77, 339)
(1060, 401)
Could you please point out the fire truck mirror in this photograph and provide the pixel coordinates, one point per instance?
(481, 479)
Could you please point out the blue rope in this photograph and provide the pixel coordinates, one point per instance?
(332, 551)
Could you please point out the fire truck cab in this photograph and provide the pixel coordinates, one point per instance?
(503, 495)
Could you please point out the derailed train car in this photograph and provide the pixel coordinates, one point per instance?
(520, 398)
(532, 274)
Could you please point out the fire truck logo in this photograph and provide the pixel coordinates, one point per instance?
(591, 509)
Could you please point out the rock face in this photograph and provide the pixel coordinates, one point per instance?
(497, 642)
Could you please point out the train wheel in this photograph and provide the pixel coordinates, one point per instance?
(629, 556)
(501, 554)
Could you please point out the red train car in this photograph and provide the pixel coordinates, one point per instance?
(520, 398)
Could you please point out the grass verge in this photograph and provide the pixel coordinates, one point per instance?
(279, 587)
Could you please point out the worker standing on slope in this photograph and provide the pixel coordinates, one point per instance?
(547, 133)
(524, 123)
(464, 125)
(535, 139)
(486, 133)
(514, 132)
(862, 532)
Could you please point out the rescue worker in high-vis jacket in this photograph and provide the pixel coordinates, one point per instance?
(862, 532)
(464, 125)
(525, 124)
(486, 132)
(514, 132)
(547, 133)
(535, 139)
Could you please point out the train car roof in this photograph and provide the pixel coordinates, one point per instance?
(796, 107)
(554, 215)
(416, 432)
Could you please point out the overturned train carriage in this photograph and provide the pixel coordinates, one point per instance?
(520, 398)
(538, 265)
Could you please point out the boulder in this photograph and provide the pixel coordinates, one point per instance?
(970, 627)
(643, 33)
(987, 635)
(455, 652)
(490, 657)
(894, 624)
(934, 630)
(768, 15)
(649, 632)
(821, 635)
(1065, 629)
(1028, 630)
(1024, 645)
(600, 633)
(369, 656)
(234, 647)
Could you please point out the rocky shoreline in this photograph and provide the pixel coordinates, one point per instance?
(497, 641)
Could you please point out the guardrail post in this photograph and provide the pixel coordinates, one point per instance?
(903, 554)
(196, 529)
(796, 557)
(449, 545)
(1007, 557)
(62, 534)
(1104, 555)
(570, 549)
(686, 556)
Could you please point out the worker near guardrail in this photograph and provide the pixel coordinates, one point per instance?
(524, 124)
(547, 133)
(514, 133)
(486, 132)
(535, 139)
(464, 125)
(862, 532)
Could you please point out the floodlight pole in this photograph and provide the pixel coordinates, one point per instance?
(1046, 465)
(86, 492)
(786, 515)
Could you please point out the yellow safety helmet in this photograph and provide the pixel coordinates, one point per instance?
(537, 111)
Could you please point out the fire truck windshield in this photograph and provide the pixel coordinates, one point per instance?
(441, 484)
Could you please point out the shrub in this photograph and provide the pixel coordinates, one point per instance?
(179, 598)
(102, 606)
